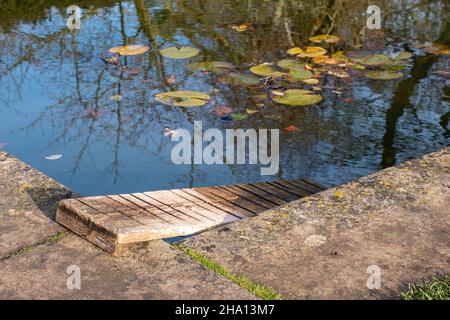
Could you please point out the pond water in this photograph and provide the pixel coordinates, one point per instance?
(57, 95)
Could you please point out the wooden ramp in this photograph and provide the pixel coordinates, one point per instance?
(115, 222)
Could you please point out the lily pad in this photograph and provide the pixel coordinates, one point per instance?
(239, 79)
(374, 60)
(384, 75)
(341, 56)
(327, 60)
(267, 70)
(297, 70)
(238, 116)
(307, 52)
(298, 97)
(179, 52)
(328, 38)
(403, 56)
(130, 50)
(213, 66)
(290, 64)
(183, 98)
(298, 74)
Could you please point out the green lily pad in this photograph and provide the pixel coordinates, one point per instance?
(183, 98)
(300, 74)
(179, 52)
(403, 56)
(384, 75)
(298, 97)
(341, 56)
(374, 60)
(297, 71)
(328, 38)
(239, 79)
(238, 116)
(290, 64)
(266, 70)
(212, 66)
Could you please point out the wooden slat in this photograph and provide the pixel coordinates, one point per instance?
(116, 221)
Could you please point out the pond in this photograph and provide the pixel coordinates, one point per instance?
(58, 97)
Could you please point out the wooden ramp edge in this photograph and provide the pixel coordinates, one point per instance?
(114, 222)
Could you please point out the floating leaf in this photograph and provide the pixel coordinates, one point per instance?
(220, 111)
(179, 52)
(290, 64)
(241, 27)
(384, 75)
(348, 100)
(311, 81)
(213, 66)
(328, 38)
(340, 55)
(292, 129)
(297, 70)
(183, 98)
(277, 93)
(267, 70)
(327, 60)
(294, 51)
(298, 97)
(443, 72)
(374, 60)
(116, 97)
(130, 50)
(239, 79)
(171, 80)
(238, 116)
(339, 73)
(352, 65)
(54, 157)
(403, 56)
(251, 111)
(307, 52)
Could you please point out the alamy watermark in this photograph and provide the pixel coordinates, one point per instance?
(212, 147)
(374, 17)
(74, 19)
(74, 279)
(374, 279)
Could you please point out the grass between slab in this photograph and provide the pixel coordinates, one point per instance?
(436, 289)
(49, 240)
(261, 291)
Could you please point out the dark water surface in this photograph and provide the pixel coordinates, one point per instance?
(55, 92)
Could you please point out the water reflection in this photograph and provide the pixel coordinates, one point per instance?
(56, 92)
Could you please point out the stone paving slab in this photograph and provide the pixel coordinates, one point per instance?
(28, 201)
(152, 271)
(321, 247)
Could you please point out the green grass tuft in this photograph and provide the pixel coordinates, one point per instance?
(437, 289)
(259, 290)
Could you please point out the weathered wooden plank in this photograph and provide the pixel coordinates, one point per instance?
(115, 222)
(286, 196)
(225, 205)
(262, 193)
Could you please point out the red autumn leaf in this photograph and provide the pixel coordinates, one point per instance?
(221, 111)
(349, 100)
(291, 129)
(171, 80)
